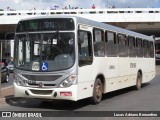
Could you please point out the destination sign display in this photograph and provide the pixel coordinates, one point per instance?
(48, 24)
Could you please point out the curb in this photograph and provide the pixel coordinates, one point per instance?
(3, 100)
(6, 94)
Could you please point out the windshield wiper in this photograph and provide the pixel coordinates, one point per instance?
(55, 35)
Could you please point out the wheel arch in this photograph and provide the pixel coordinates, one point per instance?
(140, 71)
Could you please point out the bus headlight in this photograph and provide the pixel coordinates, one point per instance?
(19, 81)
(69, 81)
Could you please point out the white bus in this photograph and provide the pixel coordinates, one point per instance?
(72, 58)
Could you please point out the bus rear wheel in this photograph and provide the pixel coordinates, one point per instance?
(97, 92)
(138, 81)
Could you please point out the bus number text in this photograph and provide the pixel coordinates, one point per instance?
(132, 65)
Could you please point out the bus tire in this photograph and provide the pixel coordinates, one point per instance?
(46, 102)
(138, 81)
(97, 92)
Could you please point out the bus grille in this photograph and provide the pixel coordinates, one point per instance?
(42, 92)
(42, 78)
(45, 85)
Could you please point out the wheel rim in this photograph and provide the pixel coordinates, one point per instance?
(98, 92)
(139, 82)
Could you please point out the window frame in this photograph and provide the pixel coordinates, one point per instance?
(102, 42)
(134, 41)
(90, 47)
(115, 43)
(125, 41)
(106, 36)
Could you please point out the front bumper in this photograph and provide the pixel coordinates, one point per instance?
(46, 93)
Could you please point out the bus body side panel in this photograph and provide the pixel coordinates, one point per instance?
(129, 67)
(87, 76)
(125, 74)
(111, 67)
(148, 69)
(85, 81)
(111, 74)
(127, 71)
(112, 84)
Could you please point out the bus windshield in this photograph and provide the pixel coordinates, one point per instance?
(56, 50)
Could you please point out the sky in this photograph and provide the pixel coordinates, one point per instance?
(84, 4)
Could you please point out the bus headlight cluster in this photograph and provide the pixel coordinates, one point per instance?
(69, 81)
(19, 81)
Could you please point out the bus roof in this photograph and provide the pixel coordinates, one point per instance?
(97, 25)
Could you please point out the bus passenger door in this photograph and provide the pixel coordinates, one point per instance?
(85, 57)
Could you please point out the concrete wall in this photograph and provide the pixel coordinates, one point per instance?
(101, 15)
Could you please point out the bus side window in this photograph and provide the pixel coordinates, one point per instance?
(132, 46)
(122, 45)
(99, 47)
(110, 42)
(145, 49)
(151, 49)
(139, 47)
(85, 48)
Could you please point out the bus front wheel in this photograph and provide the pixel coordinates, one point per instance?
(138, 81)
(97, 92)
